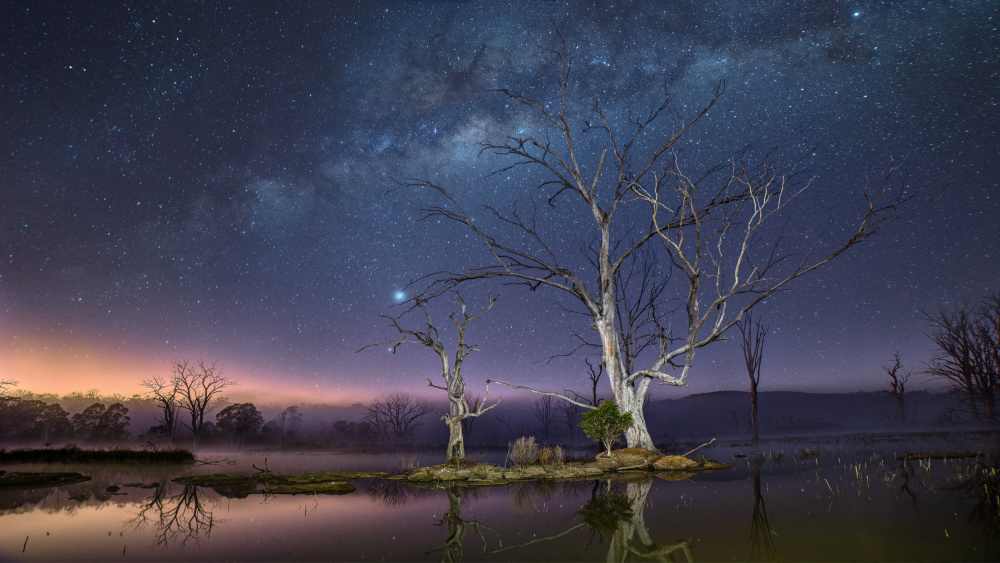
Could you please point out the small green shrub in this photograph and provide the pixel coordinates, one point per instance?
(606, 423)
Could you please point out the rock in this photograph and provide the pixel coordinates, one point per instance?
(681, 463)
(674, 463)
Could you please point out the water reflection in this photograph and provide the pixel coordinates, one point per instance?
(175, 519)
(458, 527)
(609, 513)
(953, 513)
(761, 537)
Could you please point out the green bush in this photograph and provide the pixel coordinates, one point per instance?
(606, 423)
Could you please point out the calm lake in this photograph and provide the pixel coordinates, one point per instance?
(844, 499)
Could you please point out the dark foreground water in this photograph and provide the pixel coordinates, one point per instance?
(836, 502)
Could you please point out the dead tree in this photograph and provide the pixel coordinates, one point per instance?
(198, 387)
(543, 411)
(396, 415)
(752, 343)
(897, 385)
(571, 416)
(968, 354)
(165, 396)
(451, 372)
(711, 224)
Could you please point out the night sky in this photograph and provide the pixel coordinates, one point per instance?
(202, 180)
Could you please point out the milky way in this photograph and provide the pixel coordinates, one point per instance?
(184, 180)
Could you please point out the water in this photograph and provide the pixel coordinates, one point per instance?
(836, 502)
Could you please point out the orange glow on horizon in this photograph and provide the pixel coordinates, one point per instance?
(77, 364)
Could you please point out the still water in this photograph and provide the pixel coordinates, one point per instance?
(832, 503)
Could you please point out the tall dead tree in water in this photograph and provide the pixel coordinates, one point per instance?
(709, 223)
(454, 384)
(752, 343)
(897, 385)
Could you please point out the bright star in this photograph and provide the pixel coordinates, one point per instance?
(399, 296)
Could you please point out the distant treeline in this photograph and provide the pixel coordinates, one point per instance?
(26, 419)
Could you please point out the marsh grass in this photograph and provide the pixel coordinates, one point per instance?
(73, 454)
(407, 464)
(523, 451)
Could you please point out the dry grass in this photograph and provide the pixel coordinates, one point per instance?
(523, 451)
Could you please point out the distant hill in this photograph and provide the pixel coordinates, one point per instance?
(726, 413)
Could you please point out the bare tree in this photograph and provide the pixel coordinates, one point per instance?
(290, 417)
(752, 343)
(571, 415)
(968, 354)
(897, 385)
(710, 224)
(451, 372)
(545, 414)
(6, 385)
(165, 396)
(396, 415)
(198, 386)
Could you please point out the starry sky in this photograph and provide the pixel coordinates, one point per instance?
(215, 180)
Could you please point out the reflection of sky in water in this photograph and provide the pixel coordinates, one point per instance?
(814, 512)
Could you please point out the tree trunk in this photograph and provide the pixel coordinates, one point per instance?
(458, 410)
(630, 398)
(754, 428)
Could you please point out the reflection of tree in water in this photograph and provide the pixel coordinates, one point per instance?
(609, 513)
(980, 485)
(632, 527)
(527, 494)
(761, 541)
(458, 527)
(394, 494)
(177, 519)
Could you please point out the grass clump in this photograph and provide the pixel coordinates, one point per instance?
(407, 464)
(551, 455)
(523, 451)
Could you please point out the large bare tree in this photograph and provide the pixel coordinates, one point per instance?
(712, 225)
(198, 386)
(451, 371)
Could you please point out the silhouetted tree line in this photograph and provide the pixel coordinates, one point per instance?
(968, 354)
(34, 421)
